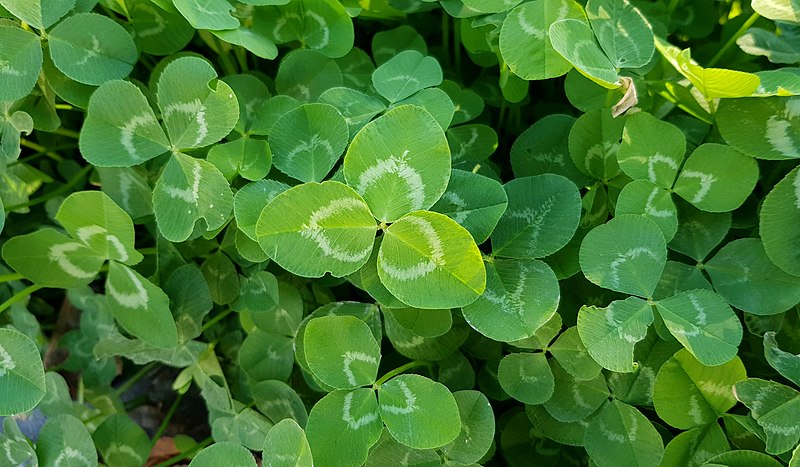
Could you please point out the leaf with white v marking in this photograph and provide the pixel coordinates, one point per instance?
(775, 407)
(121, 129)
(717, 178)
(341, 351)
(92, 48)
(316, 228)
(343, 426)
(140, 306)
(626, 254)
(188, 190)
(651, 149)
(704, 323)
(427, 260)
(286, 446)
(94, 219)
(611, 333)
(197, 108)
(399, 162)
(520, 297)
(52, 259)
(419, 412)
(620, 431)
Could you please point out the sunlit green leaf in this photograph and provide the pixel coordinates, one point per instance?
(419, 412)
(611, 333)
(688, 394)
(329, 223)
(427, 260)
(404, 172)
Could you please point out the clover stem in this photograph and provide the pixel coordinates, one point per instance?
(401, 369)
(742, 29)
(124, 387)
(10, 277)
(68, 133)
(167, 419)
(216, 319)
(19, 296)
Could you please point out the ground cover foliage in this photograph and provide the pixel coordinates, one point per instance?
(400, 232)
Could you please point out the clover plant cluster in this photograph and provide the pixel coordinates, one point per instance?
(400, 232)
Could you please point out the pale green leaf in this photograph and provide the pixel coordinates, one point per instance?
(520, 297)
(399, 162)
(594, 142)
(121, 441)
(525, 41)
(40, 14)
(688, 394)
(640, 197)
(575, 41)
(623, 32)
(406, 73)
(427, 260)
(121, 129)
(762, 128)
(20, 61)
(526, 377)
(224, 453)
(478, 428)
(542, 216)
(197, 108)
(693, 447)
(52, 259)
(65, 441)
(775, 408)
(651, 149)
(743, 274)
(94, 219)
(786, 363)
(716, 178)
(286, 446)
(207, 14)
(570, 352)
(474, 201)
(343, 426)
(780, 216)
(316, 228)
